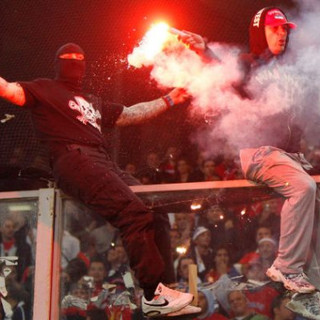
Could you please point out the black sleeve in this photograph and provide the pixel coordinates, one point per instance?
(110, 114)
(30, 99)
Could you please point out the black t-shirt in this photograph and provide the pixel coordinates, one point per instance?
(63, 116)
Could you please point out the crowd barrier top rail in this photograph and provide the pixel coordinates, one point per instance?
(175, 197)
(201, 185)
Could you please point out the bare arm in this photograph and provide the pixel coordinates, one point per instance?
(143, 111)
(12, 92)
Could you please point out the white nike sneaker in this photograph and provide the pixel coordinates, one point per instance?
(165, 301)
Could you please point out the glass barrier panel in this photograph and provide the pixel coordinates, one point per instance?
(218, 226)
(18, 230)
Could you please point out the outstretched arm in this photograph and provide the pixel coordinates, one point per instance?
(12, 92)
(143, 111)
(199, 45)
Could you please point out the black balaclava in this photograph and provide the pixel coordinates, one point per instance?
(70, 71)
(257, 38)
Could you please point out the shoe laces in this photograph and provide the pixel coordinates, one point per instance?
(300, 279)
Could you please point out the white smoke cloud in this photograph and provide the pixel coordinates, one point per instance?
(291, 85)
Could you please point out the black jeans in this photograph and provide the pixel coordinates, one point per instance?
(87, 174)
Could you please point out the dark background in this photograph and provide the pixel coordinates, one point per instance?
(32, 31)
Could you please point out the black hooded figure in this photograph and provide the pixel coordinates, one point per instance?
(74, 126)
(70, 71)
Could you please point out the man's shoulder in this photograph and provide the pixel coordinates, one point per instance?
(38, 82)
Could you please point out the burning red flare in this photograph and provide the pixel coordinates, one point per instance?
(152, 44)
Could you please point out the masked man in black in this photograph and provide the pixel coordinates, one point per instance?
(70, 122)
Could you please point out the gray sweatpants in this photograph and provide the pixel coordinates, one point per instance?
(285, 174)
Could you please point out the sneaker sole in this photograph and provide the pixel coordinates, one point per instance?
(157, 313)
(153, 314)
(187, 310)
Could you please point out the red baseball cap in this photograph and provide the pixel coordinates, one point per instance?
(275, 17)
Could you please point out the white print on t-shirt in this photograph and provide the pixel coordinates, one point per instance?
(282, 82)
(88, 113)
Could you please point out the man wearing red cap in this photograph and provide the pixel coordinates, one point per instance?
(276, 161)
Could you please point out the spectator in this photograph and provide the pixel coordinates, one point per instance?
(198, 170)
(260, 297)
(123, 257)
(222, 228)
(209, 306)
(183, 271)
(153, 161)
(261, 232)
(239, 307)
(78, 219)
(113, 262)
(222, 265)
(104, 236)
(229, 166)
(18, 299)
(12, 246)
(74, 271)
(270, 216)
(201, 251)
(74, 305)
(116, 266)
(279, 310)
(267, 248)
(209, 171)
(184, 171)
(70, 248)
(88, 249)
(254, 271)
(131, 168)
(184, 223)
(146, 178)
(175, 237)
(150, 173)
(169, 164)
(98, 271)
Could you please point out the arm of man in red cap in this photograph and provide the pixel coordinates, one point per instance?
(199, 45)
